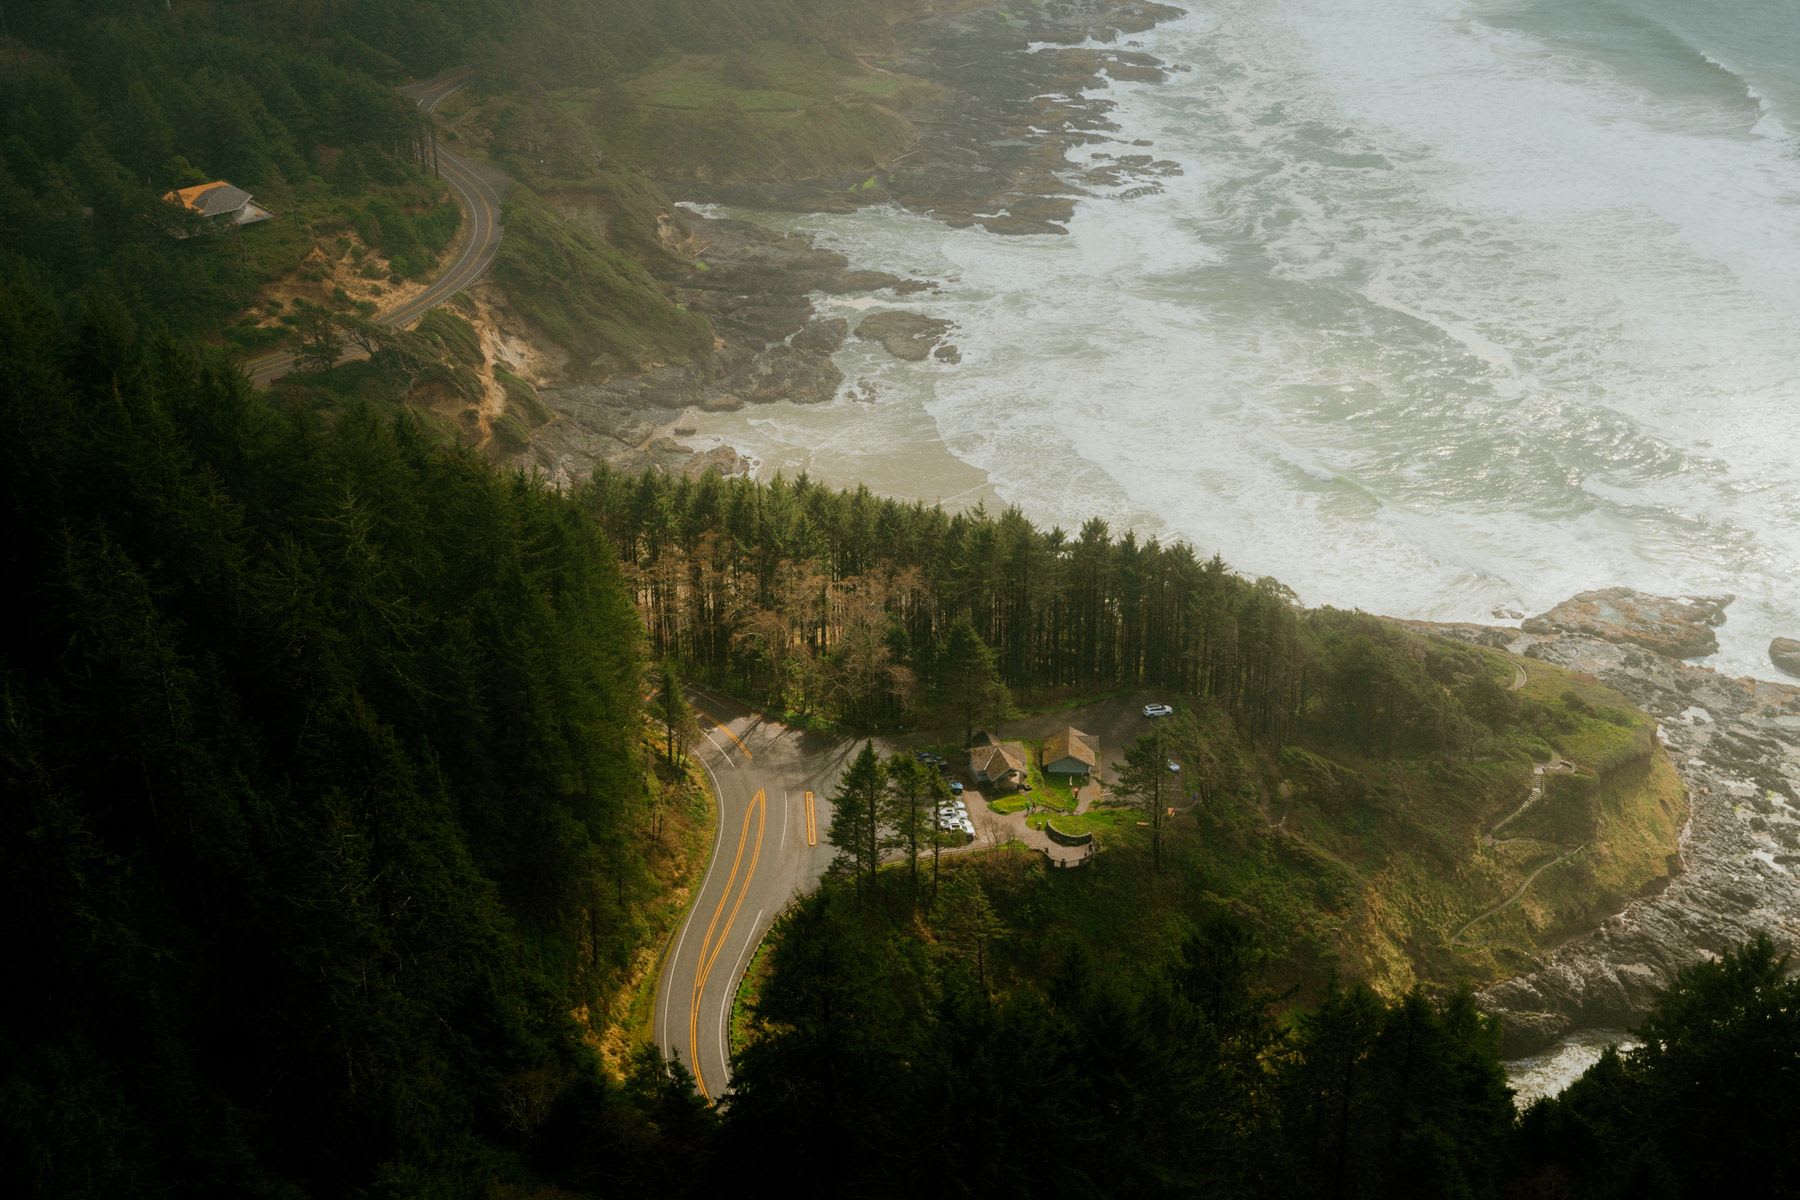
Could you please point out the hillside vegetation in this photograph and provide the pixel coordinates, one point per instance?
(921, 1049)
(596, 302)
(1361, 795)
(339, 849)
(105, 108)
(325, 799)
(328, 836)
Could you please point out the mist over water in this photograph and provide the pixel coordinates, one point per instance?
(1453, 307)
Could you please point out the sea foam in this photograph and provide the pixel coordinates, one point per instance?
(1446, 311)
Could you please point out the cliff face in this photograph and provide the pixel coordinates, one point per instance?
(1736, 746)
(1592, 821)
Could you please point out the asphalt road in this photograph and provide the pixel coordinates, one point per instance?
(770, 846)
(480, 203)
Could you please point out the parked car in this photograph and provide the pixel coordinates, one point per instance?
(1158, 710)
(948, 820)
(1174, 767)
(956, 787)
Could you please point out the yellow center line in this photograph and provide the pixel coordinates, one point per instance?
(726, 730)
(762, 811)
(694, 1011)
(709, 948)
(812, 829)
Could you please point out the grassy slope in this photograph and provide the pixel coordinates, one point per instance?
(770, 112)
(589, 297)
(1366, 865)
(1625, 804)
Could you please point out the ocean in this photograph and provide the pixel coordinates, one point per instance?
(1452, 309)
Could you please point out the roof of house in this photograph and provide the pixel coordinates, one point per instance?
(997, 758)
(210, 199)
(1070, 743)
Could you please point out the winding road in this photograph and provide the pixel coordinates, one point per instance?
(480, 202)
(771, 782)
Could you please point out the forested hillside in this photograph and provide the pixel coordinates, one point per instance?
(334, 833)
(321, 782)
(107, 106)
(1340, 775)
(912, 1039)
(324, 796)
(718, 564)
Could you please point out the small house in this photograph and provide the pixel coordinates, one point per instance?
(219, 201)
(1070, 752)
(998, 766)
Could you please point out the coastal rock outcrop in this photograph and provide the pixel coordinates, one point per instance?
(1785, 654)
(906, 335)
(787, 373)
(595, 425)
(1736, 745)
(1673, 626)
(822, 336)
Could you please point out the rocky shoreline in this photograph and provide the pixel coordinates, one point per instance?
(769, 345)
(1736, 745)
(992, 151)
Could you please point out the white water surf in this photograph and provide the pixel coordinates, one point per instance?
(1454, 308)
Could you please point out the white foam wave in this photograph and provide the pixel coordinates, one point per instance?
(1431, 322)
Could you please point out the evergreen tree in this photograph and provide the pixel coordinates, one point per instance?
(968, 678)
(680, 725)
(1144, 776)
(909, 809)
(1705, 1105)
(856, 812)
(966, 923)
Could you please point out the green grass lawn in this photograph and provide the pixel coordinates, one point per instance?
(1099, 821)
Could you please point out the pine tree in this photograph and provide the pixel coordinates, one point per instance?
(1144, 776)
(908, 786)
(679, 723)
(966, 922)
(856, 816)
(968, 678)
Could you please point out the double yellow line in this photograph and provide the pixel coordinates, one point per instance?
(709, 946)
(723, 727)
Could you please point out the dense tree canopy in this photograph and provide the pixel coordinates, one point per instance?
(322, 784)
